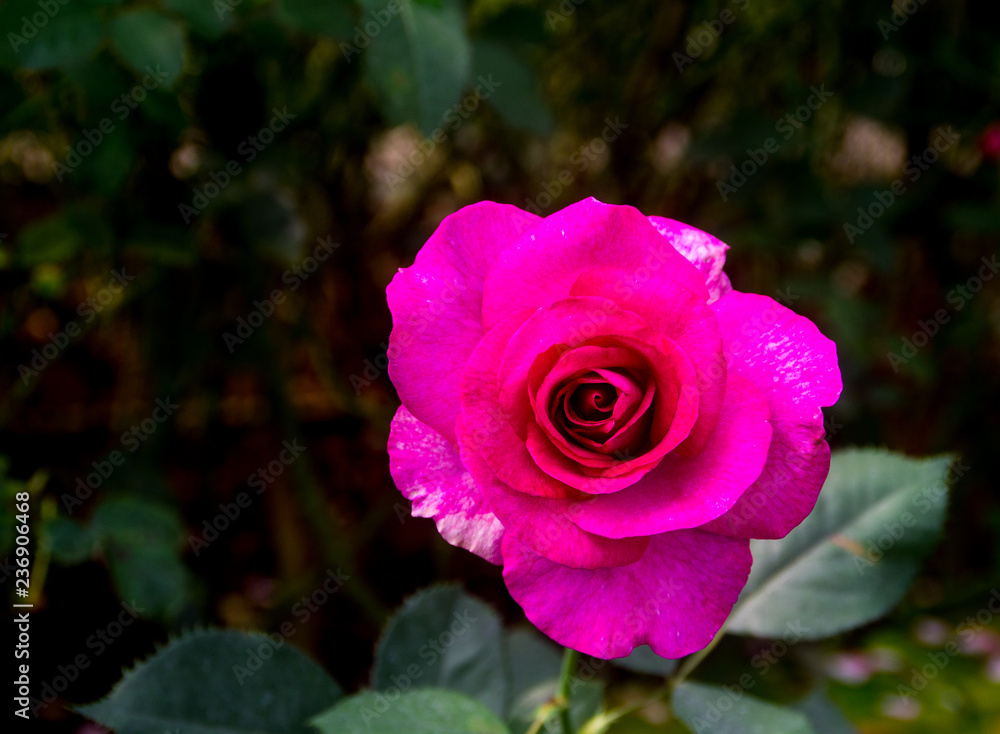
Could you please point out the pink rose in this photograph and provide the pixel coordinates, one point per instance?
(587, 402)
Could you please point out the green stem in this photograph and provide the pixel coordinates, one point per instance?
(569, 663)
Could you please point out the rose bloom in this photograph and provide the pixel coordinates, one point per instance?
(588, 402)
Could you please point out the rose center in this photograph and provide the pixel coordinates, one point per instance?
(594, 402)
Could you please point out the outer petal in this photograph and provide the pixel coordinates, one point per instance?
(707, 253)
(675, 598)
(427, 469)
(436, 308)
(541, 267)
(795, 366)
(685, 492)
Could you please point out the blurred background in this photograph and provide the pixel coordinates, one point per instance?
(202, 201)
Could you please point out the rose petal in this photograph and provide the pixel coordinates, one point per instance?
(488, 428)
(436, 308)
(795, 367)
(563, 324)
(680, 315)
(592, 454)
(685, 492)
(674, 411)
(704, 251)
(429, 472)
(674, 599)
(535, 524)
(543, 264)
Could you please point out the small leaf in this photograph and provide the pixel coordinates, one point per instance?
(334, 18)
(443, 638)
(512, 87)
(68, 39)
(137, 521)
(419, 60)
(853, 558)
(703, 707)
(51, 240)
(151, 44)
(424, 711)
(154, 576)
(208, 683)
(71, 543)
(142, 541)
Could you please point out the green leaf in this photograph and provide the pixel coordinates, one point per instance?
(823, 714)
(853, 558)
(334, 18)
(137, 521)
(444, 638)
(203, 684)
(150, 43)
(644, 660)
(51, 240)
(424, 711)
(71, 543)
(515, 88)
(531, 661)
(703, 707)
(419, 61)
(143, 541)
(68, 39)
(203, 16)
(152, 576)
(533, 668)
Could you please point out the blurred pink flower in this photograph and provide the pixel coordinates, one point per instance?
(989, 142)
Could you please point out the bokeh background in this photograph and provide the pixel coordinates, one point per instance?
(255, 171)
